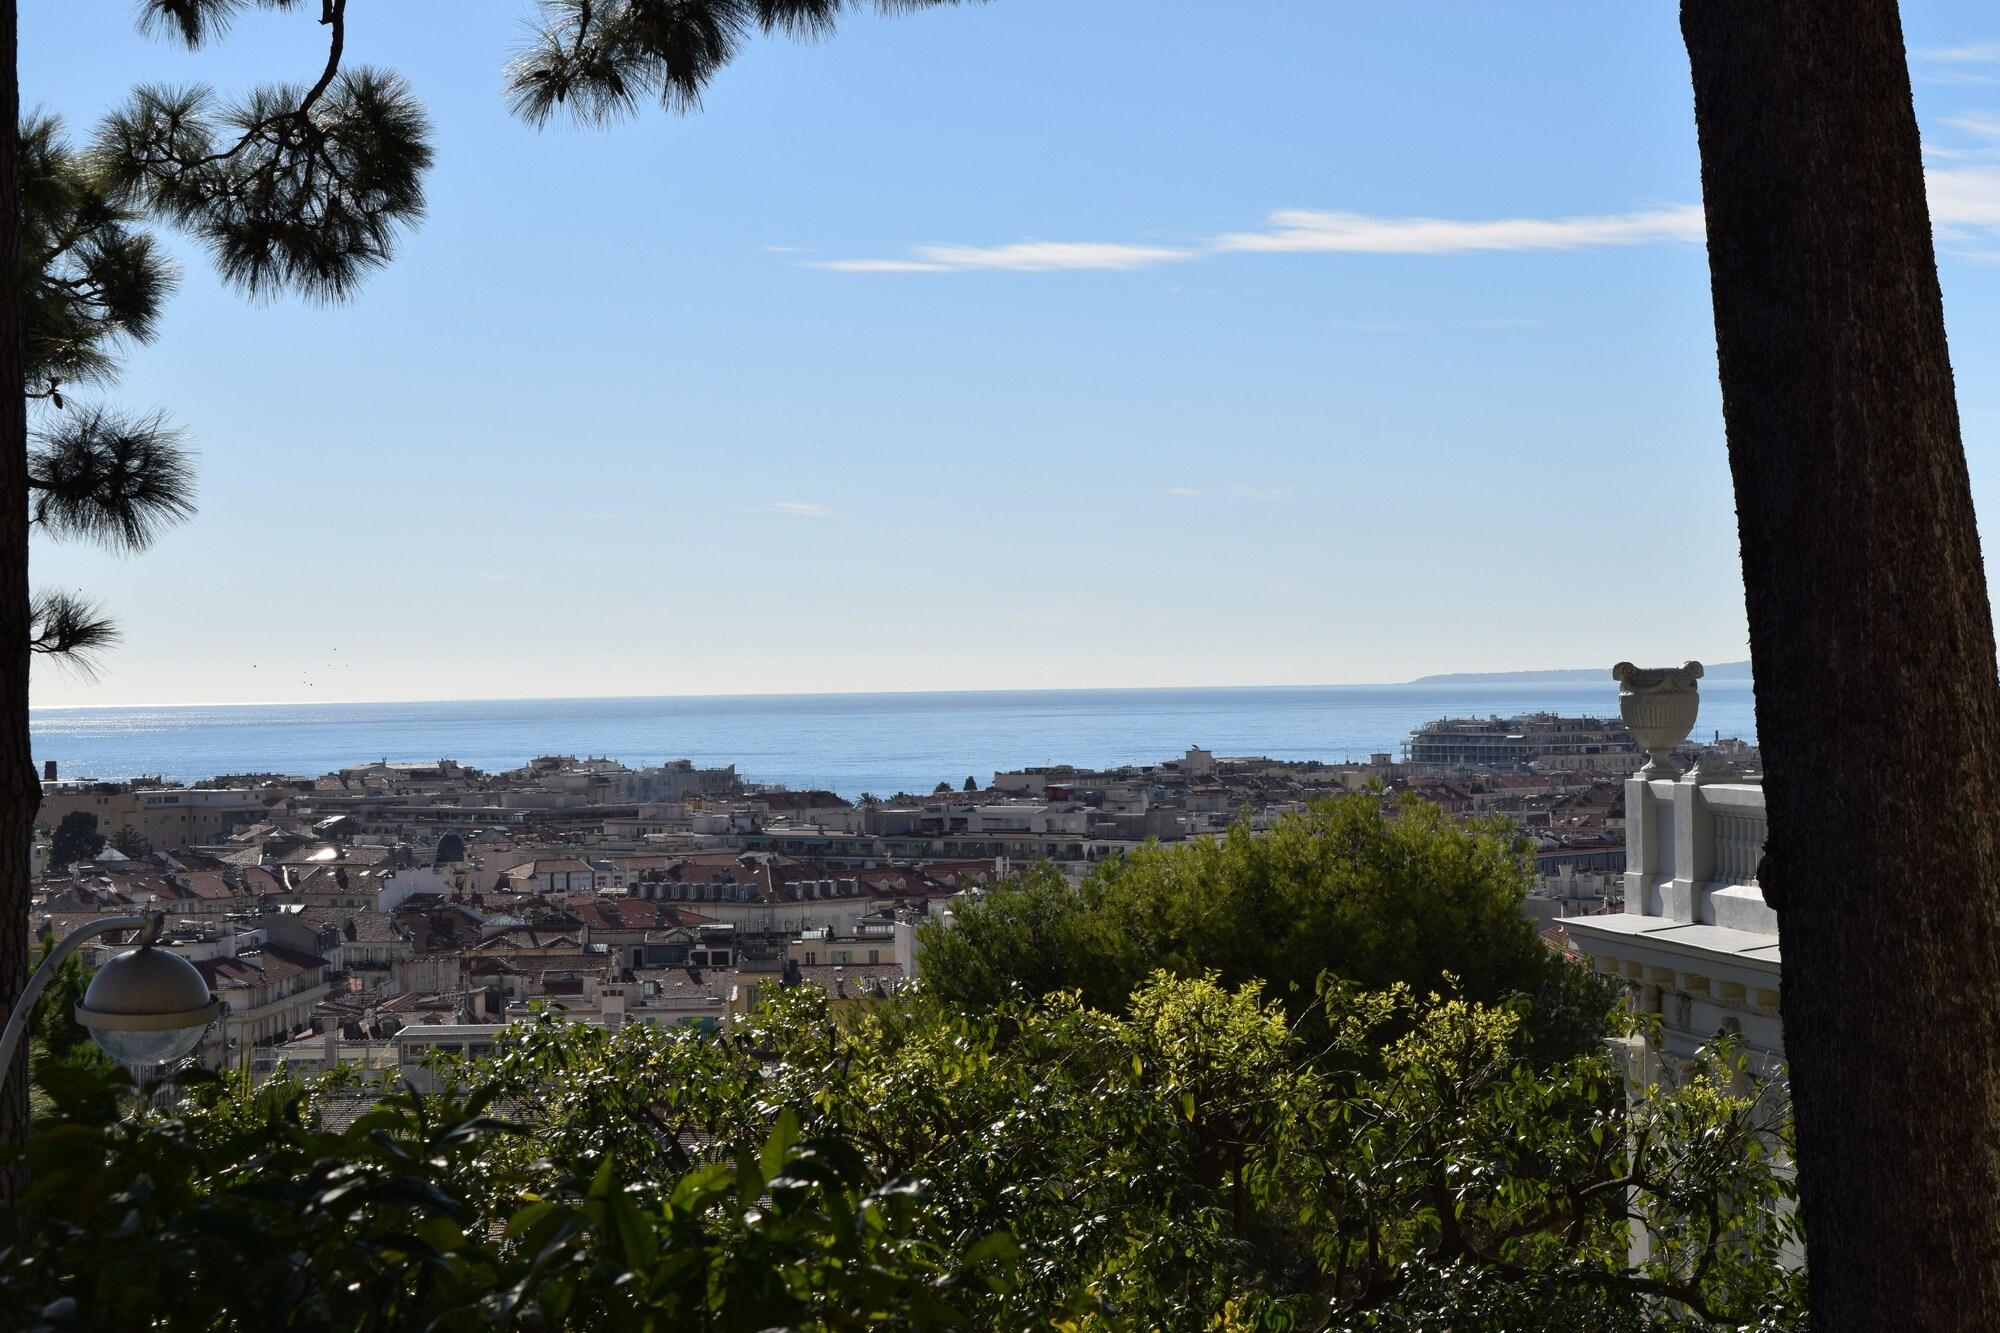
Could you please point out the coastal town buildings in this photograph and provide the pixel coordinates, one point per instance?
(167, 818)
(384, 909)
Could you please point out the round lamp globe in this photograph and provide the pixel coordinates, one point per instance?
(147, 1006)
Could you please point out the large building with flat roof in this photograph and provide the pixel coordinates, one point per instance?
(1534, 740)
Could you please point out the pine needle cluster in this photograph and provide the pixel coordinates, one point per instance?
(596, 61)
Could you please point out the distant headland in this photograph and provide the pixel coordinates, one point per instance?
(1567, 676)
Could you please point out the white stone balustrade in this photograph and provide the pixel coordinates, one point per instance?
(1696, 943)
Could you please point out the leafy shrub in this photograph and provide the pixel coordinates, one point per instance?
(1191, 1162)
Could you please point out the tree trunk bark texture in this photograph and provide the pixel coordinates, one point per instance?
(1877, 707)
(20, 793)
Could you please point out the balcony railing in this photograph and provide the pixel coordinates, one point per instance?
(1739, 845)
(1692, 852)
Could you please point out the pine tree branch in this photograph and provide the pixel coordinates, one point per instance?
(69, 627)
(92, 276)
(299, 187)
(196, 22)
(333, 14)
(113, 479)
(594, 60)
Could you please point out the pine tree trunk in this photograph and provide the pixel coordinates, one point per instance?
(1877, 707)
(20, 793)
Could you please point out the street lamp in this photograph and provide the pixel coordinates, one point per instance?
(146, 1006)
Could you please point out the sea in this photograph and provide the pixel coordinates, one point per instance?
(847, 743)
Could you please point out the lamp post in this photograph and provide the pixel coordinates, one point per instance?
(146, 1006)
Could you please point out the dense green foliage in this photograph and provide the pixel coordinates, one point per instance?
(1187, 1163)
(129, 842)
(76, 839)
(65, 1063)
(1375, 894)
(51, 1025)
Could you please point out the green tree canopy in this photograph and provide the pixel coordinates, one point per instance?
(1375, 894)
(130, 842)
(76, 839)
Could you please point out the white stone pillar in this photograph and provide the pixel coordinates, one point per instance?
(1635, 1059)
(1694, 850)
(1640, 853)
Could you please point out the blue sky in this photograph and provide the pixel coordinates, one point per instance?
(1033, 344)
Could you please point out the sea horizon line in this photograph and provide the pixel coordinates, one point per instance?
(833, 694)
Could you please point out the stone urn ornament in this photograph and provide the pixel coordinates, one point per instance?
(1659, 706)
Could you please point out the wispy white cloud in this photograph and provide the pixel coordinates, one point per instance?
(1019, 257)
(1305, 230)
(1968, 53)
(1043, 256)
(1957, 66)
(1965, 210)
(801, 508)
(1979, 124)
(1962, 180)
(1978, 139)
(1964, 197)
(1301, 230)
(1182, 492)
(1964, 194)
